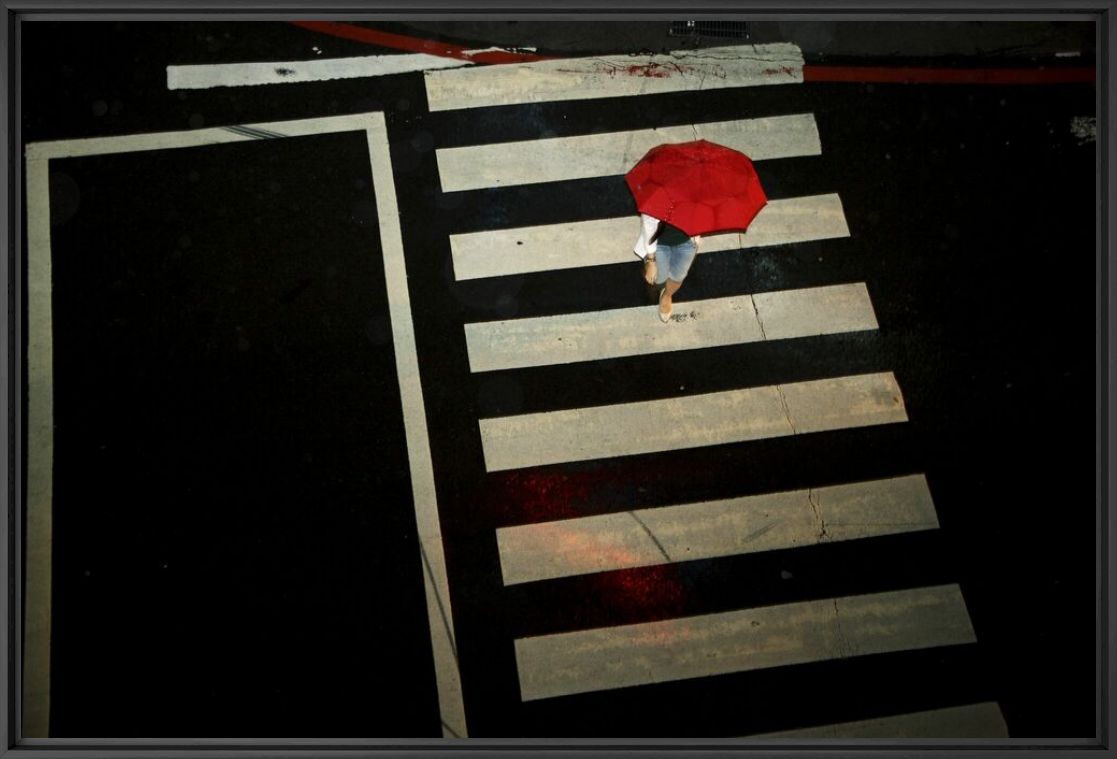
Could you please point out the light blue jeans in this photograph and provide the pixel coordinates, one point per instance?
(673, 261)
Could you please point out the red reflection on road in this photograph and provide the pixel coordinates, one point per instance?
(635, 580)
(649, 591)
(526, 496)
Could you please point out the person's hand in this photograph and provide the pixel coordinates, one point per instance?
(650, 270)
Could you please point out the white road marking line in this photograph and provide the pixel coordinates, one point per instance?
(829, 310)
(40, 388)
(425, 497)
(686, 532)
(615, 76)
(551, 247)
(959, 722)
(556, 159)
(738, 641)
(134, 143)
(39, 422)
(570, 338)
(732, 416)
(206, 76)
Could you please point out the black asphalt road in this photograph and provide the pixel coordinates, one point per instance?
(235, 550)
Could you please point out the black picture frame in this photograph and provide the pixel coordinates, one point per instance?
(1102, 11)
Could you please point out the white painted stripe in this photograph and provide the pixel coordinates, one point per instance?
(407, 367)
(551, 247)
(205, 76)
(35, 719)
(971, 721)
(615, 76)
(424, 494)
(134, 143)
(692, 421)
(557, 159)
(830, 310)
(738, 641)
(687, 532)
(569, 338)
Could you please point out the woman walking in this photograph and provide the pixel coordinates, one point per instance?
(683, 190)
(667, 252)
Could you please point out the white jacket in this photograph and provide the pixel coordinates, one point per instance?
(645, 245)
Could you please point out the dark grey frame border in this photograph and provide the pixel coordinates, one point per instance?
(11, 275)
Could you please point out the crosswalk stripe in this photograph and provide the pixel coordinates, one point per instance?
(549, 247)
(738, 641)
(615, 76)
(983, 720)
(569, 338)
(582, 434)
(206, 76)
(555, 159)
(687, 532)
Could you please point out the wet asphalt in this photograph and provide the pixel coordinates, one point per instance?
(226, 405)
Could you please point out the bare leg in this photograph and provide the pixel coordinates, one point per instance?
(670, 287)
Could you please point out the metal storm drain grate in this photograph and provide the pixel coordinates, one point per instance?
(733, 29)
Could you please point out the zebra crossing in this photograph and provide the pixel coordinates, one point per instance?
(686, 532)
(528, 161)
(773, 636)
(523, 250)
(689, 421)
(537, 550)
(569, 338)
(616, 76)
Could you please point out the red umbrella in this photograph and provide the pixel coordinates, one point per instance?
(700, 187)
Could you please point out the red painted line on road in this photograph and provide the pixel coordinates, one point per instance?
(920, 75)
(415, 44)
(811, 72)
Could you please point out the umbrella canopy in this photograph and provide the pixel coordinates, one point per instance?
(700, 187)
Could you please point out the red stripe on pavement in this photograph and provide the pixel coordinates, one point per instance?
(811, 72)
(414, 44)
(919, 75)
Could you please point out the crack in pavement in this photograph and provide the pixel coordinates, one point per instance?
(786, 410)
(762, 531)
(816, 508)
(759, 321)
(441, 608)
(733, 57)
(779, 389)
(651, 535)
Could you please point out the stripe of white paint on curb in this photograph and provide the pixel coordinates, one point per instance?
(598, 432)
(971, 721)
(206, 76)
(556, 159)
(593, 335)
(40, 390)
(738, 641)
(551, 247)
(615, 76)
(730, 527)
